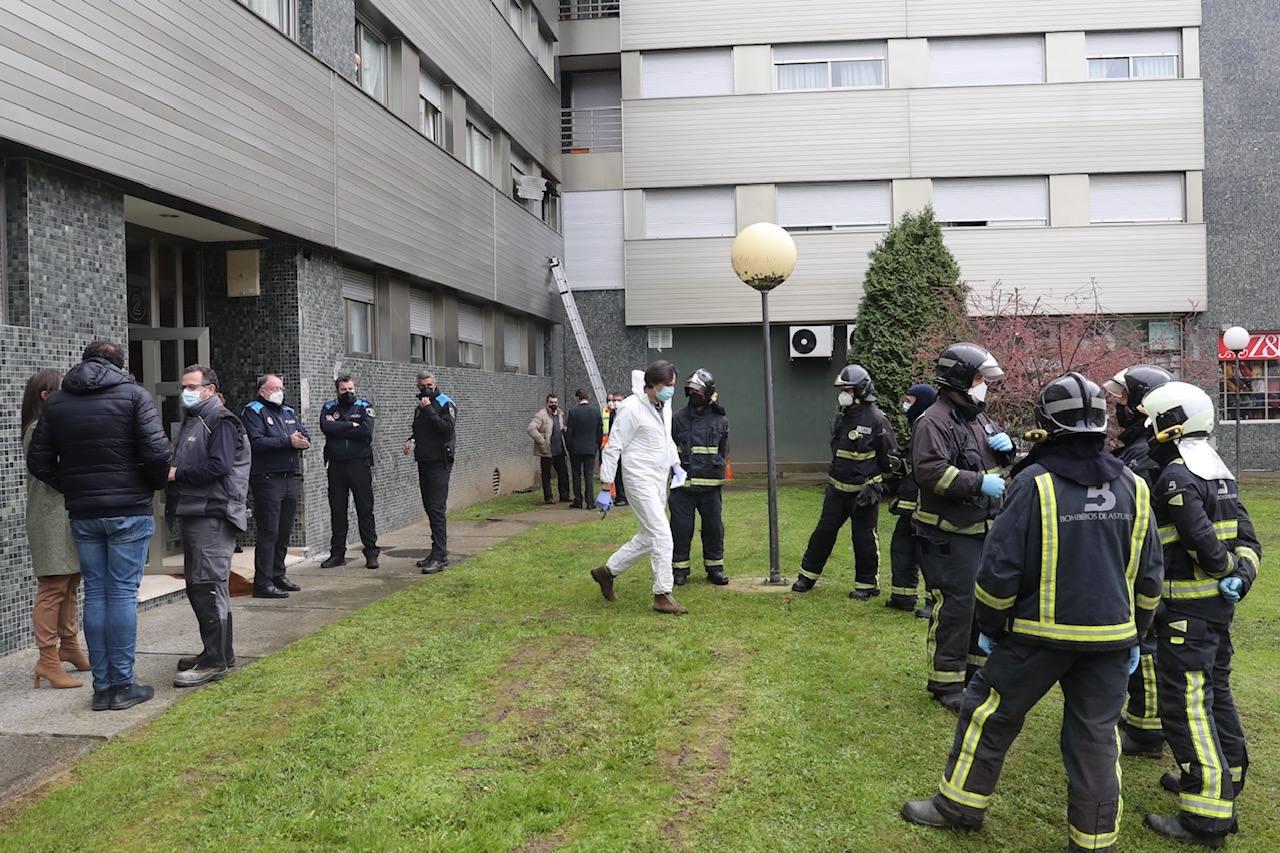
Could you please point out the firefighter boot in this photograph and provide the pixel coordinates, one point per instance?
(803, 583)
(715, 575)
(1171, 827)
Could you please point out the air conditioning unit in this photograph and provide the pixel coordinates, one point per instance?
(849, 329)
(812, 341)
(531, 188)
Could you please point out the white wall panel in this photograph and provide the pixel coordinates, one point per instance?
(953, 17)
(593, 234)
(650, 24)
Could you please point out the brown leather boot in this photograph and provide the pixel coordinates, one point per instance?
(70, 650)
(602, 576)
(50, 669)
(666, 604)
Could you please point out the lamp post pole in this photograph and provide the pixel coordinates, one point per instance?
(1237, 339)
(775, 569)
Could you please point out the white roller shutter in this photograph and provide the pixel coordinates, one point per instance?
(511, 342)
(470, 323)
(683, 73)
(835, 204)
(989, 61)
(357, 285)
(995, 201)
(830, 50)
(1153, 197)
(697, 212)
(593, 235)
(429, 88)
(421, 313)
(1134, 43)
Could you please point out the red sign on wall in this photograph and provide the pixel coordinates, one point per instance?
(1264, 346)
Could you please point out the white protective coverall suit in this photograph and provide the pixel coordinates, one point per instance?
(641, 434)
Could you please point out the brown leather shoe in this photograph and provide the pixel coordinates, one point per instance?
(666, 604)
(602, 576)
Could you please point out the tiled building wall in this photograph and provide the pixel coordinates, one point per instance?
(65, 255)
(327, 28)
(618, 348)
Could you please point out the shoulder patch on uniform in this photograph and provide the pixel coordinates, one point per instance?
(360, 402)
(329, 405)
(255, 406)
(368, 410)
(1176, 500)
(1172, 487)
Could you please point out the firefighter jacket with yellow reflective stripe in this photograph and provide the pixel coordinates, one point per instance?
(1207, 536)
(862, 445)
(702, 437)
(905, 502)
(1071, 566)
(949, 455)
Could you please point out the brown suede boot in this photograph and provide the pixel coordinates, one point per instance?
(50, 669)
(666, 604)
(70, 650)
(602, 576)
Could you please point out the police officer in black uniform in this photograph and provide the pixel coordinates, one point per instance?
(277, 438)
(1070, 578)
(904, 547)
(348, 423)
(432, 444)
(957, 454)
(863, 450)
(1211, 557)
(1140, 732)
(701, 433)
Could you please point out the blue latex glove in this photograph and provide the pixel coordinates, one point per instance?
(604, 501)
(992, 485)
(1230, 588)
(1001, 443)
(986, 644)
(678, 476)
(1134, 655)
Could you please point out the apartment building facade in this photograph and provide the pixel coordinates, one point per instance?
(305, 187)
(1061, 144)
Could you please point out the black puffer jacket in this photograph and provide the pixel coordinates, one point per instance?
(100, 442)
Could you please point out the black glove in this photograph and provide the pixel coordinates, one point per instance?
(869, 496)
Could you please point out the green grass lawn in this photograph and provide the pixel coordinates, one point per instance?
(505, 706)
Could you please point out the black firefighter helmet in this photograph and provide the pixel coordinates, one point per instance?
(1071, 404)
(702, 382)
(959, 363)
(857, 381)
(1137, 381)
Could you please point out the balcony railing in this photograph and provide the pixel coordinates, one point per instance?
(591, 130)
(582, 10)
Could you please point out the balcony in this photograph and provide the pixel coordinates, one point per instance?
(589, 28)
(591, 130)
(588, 10)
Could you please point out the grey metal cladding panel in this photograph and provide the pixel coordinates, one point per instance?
(763, 138)
(1058, 128)
(526, 102)
(405, 203)
(652, 24)
(948, 17)
(151, 92)
(455, 35)
(524, 244)
(550, 12)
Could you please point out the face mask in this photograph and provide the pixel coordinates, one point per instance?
(552, 407)
(190, 398)
(613, 404)
(666, 392)
(276, 397)
(346, 398)
(697, 401)
(845, 399)
(906, 407)
(979, 393)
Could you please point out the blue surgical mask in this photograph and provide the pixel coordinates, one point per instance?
(190, 398)
(906, 407)
(666, 392)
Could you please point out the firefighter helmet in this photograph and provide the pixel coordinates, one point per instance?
(702, 382)
(1137, 382)
(857, 381)
(1177, 409)
(959, 363)
(1071, 404)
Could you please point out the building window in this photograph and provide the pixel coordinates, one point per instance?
(540, 351)
(479, 148)
(1133, 55)
(470, 335)
(519, 168)
(371, 62)
(421, 327)
(684, 73)
(512, 358)
(839, 65)
(694, 212)
(358, 300)
(593, 239)
(430, 108)
(835, 206)
(987, 61)
(991, 202)
(546, 54)
(515, 16)
(1151, 197)
(551, 206)
(281, 14)
(1250, 389)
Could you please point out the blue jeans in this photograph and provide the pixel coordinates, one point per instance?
(112, 554)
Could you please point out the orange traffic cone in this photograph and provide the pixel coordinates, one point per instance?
(728, 469)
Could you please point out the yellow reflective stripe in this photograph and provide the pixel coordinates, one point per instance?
(813, 576)
(1244, 552)
(1168, 534)
(680, 564)
(1227, 529)
(992, 601)
(862, 585)
(942, 676)
(712, 563)
(931, 636)
(1048, 547)
(1151, 724)
(1076, 633)
(1148, 602)
(703, 481)
(1237, 774)
(976, 660)
(850, 454)
(934, 520)
(944, 482)
(902, 590)
(1139, 536)
(964, 798)
(703, 449)
(1119, 783)
(1205, 806)
(906, 505)
(853, 487)
(1185, 590)
(968, 749)
(1092, 841)
(1150, 697)
(1206, 752)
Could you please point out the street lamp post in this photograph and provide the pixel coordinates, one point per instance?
(1236, 339)
(763, 256)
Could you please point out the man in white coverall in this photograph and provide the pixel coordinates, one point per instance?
(642, 433)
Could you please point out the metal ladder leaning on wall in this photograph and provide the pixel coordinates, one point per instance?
(579, 331)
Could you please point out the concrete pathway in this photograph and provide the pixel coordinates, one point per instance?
(43, 731)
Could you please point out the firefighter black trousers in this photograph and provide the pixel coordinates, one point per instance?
(354, 476)
(1200, 720)
(996, 702)
(1142, 716)
(837, 508)
(950, 563)
(904, 557)
(706, 502)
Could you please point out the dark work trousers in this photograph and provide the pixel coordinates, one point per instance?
(207, 546)
(838, 507)
(708, 503)
(584, 475)
(904, 555)
(996, 702)
(950, 563)
(561, 465)
(433, 483)
(1200, 720)
(354, 476)
(275, 503)
(1142, 716)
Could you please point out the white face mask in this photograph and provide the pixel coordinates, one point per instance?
(845, 399)
(906, 407)
(978, 393)
(276, 397)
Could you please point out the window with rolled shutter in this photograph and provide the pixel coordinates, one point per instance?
(1151, 197)
(421, 324)
(685, 73)
(357, 285)
(991, 201)
(470, 335)
(986, 61)
(358, 300)
(511, 359)
(823, 207)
